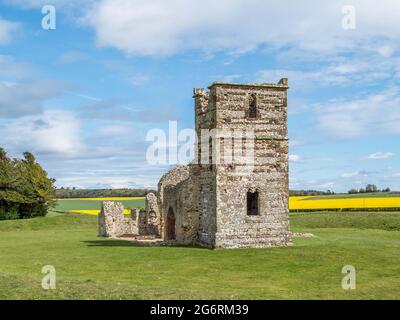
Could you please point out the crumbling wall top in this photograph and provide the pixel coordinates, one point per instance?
(174, 176)
(282, 84)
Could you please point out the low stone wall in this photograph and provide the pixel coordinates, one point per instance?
(112, 221)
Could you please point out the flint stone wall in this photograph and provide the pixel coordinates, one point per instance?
(112, 221)
(181, 196)
(148, 220)
(224, 221)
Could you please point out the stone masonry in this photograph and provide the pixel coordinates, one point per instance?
(112, 222)
(223, 203)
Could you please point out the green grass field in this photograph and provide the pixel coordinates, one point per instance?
(89, 267)
(82, 204)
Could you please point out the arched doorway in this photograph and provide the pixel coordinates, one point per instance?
(171, 224)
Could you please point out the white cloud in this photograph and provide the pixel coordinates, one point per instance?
(328, 184)
(104, 180)
(64, 4)
(71, 57)
(160, 27)
(7, 29)
(110, 110)
(48, 133)
(138, 79)
(357, 174)
(31, 3)
(368, 68)
(166, 27)
(295, 158)
(310, 184)
(115, 130)
(14, 70)
(381, 155)
(25, 98)
(350, 174)
(373, 114)
(84, 96)
(20, 93)
(231, 77)
(386, 50)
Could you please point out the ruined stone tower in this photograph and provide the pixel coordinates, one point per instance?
(235, 193)
(239, 207)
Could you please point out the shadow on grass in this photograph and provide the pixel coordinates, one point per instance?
(125, 243)
(112, 243)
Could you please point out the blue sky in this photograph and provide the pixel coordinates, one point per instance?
(83, 96)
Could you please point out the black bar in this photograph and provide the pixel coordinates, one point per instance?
(201, 309)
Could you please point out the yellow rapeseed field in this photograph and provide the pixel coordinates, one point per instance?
(295, 203)
(308, 203)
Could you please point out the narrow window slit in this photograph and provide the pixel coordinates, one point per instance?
(253, 107)
(252, 203)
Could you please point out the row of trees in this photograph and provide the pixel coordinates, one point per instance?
(310, 192)
(65, 193)
(368, 189)
(25, 189)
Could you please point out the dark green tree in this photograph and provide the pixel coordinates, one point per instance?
(353, 191)
(371, 188)
(25, 189)
(9, 197)
(38, 188)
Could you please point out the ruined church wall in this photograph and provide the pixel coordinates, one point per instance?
(205, 118)
(207, 208)
(179, 190)
(168, 180)
(182, 198)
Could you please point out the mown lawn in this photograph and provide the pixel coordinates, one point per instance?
(89, 267)
(88, 204)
